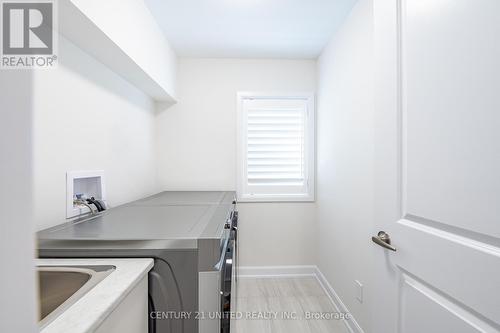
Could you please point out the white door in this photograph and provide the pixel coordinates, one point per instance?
(437, 155)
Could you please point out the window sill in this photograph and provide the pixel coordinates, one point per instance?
(276, 198)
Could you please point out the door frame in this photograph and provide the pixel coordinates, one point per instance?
(388, 159)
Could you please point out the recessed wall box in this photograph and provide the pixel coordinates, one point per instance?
(88, 183)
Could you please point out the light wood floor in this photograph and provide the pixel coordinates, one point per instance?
(280, 297)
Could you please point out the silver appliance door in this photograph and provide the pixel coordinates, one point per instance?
(234, 236)
(227, 288)
(161, 301)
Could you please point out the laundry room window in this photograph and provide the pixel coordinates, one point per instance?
(275, 147)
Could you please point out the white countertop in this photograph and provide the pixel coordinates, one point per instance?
(91, 310)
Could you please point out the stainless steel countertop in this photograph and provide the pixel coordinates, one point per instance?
(174, 219)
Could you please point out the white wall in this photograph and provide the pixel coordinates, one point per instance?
(196, 142)
(18, 310)
(345, 159)
(86, 117)
(277, 234)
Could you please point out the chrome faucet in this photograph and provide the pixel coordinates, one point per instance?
(82, 202)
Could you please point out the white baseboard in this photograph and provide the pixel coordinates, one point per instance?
(276, 271)
(351, 323)
(305, 270)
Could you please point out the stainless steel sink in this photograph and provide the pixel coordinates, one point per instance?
(62, 286)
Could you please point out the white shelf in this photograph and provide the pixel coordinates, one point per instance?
(83, 32)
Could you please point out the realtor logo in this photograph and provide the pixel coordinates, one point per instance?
(28, 34)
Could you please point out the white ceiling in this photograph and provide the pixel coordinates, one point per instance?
(249, 28)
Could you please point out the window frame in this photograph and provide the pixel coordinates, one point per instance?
(310, 158)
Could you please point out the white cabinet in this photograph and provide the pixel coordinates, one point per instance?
(131, 315)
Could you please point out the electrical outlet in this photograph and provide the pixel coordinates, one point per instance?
(359, 291)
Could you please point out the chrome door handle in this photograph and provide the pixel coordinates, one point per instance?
(383, 240)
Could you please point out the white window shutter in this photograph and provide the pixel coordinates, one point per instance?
(275, 146)
(274, 143)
